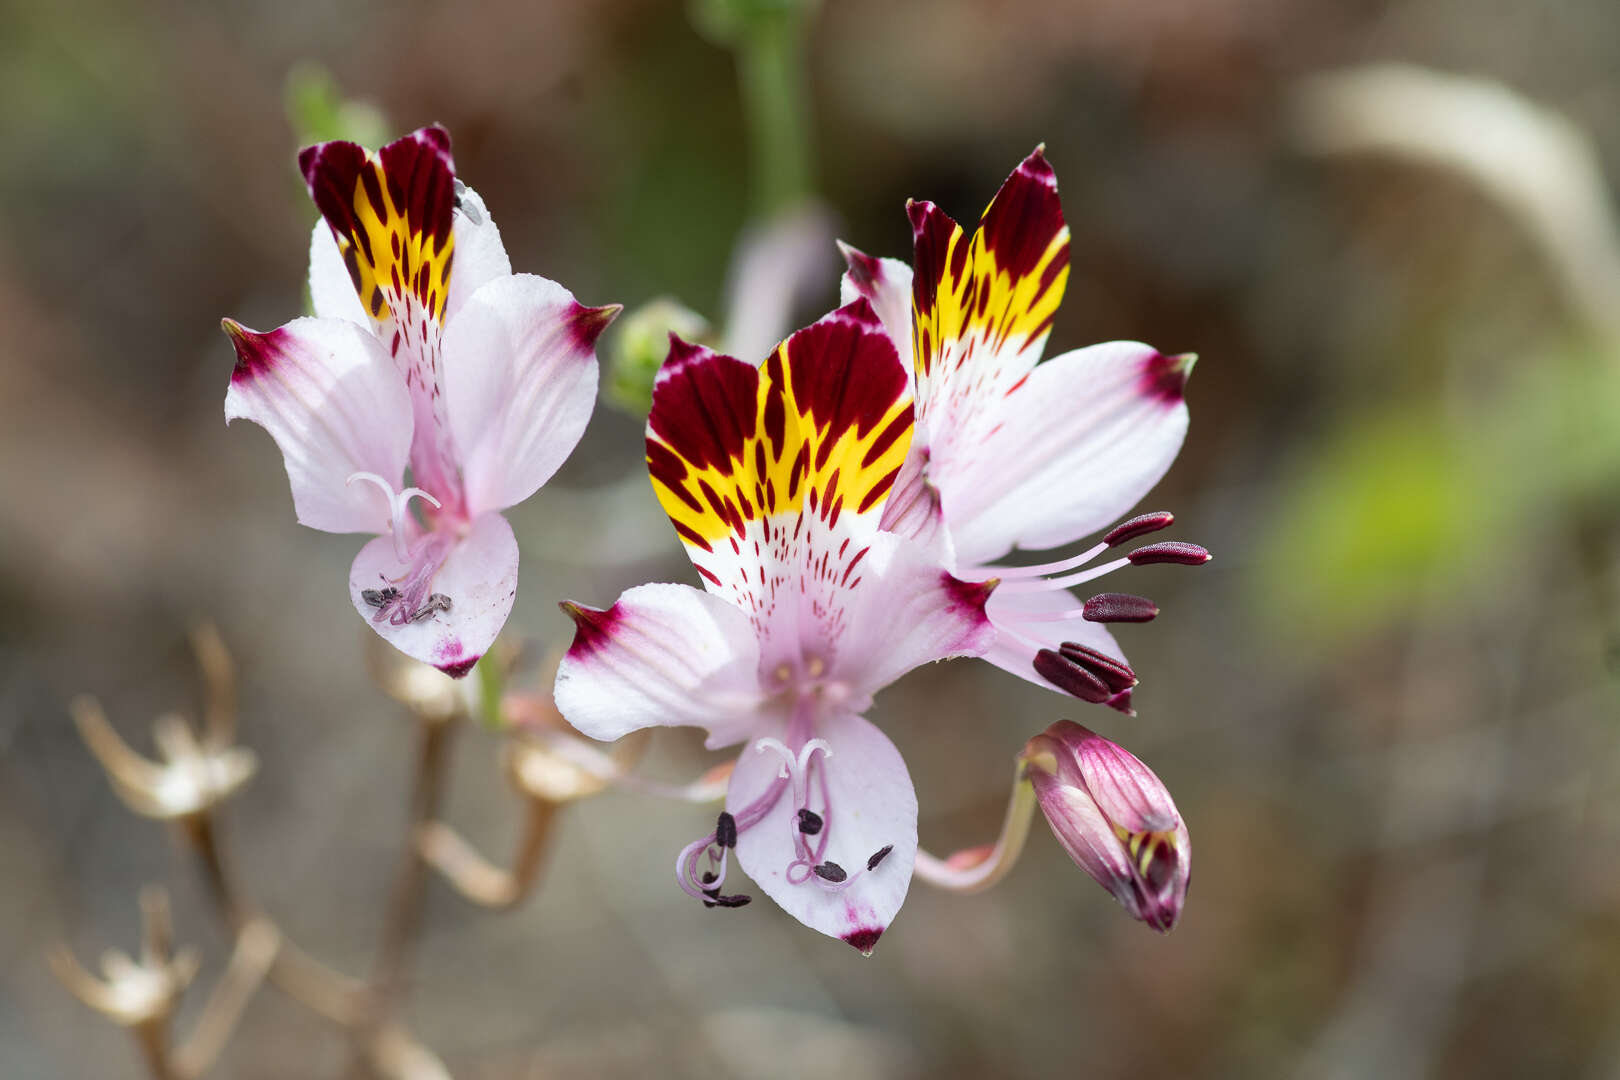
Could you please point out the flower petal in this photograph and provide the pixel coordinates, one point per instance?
(479, 576)
(1084, 438)
(661, 655)
(902, 611)
(480, 255)
(982, 309)
(886, 284)
(331, 291)
(1023, 626)
(870, 806)
(520, 384)
(775, 477)
(391, 215)
(325, 391)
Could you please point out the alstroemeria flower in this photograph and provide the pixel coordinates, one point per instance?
(1114, 818)
(479, 381)
(1010, 452)
(775, 478)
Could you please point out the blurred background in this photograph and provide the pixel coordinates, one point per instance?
(1387, 710)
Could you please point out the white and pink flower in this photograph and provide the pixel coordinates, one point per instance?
(776, 479)
(427, 354)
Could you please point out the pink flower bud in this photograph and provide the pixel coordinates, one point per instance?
(1114, 818)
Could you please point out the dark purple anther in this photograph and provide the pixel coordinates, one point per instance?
(878, 856)
(1119, 607)
(830, 871)
(1070, 677)
(1115, 674)
(725, 830)
(1140, 525)
(809, 821)
(1170, 551)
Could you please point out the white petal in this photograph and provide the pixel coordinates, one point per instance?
(328, 395)
(662, 655)
(887, 284)
(480, 578)
(520, 384)
(870, 805)
(1077, 444)
(901, 610)
(480, 257)
(331, 290)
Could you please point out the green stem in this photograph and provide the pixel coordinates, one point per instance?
(771, 71)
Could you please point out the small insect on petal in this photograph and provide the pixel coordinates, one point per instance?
(1170, 551)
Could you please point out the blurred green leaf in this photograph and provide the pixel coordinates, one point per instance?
(1416, 501)
(318, 111)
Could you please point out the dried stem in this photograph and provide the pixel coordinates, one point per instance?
(474, 876)
(405, 902)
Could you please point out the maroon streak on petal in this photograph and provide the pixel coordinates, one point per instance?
(1164, 378)
(1170, 551)
(458, 669)
(865, 939)
(845, 371)
(969, 596)
(1070, 677)
(1023, 219)
(704, 405)
(592, 627)
(587, 323)
(864, 269)
(1122, 702)
(256, 353)
(1119, 607)
(1140, 525)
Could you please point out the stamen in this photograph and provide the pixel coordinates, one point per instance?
(809, 821)
(1070, 677)
(1012, 573)
(1111, 607)
(1170, 551)
(398, 509)
(830, 871)
(1140, 525)
(878, 856)
(1115, 674)
(725, 830)
(1050, 584)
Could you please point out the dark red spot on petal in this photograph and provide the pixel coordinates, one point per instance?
(593, 627)
(864, 939)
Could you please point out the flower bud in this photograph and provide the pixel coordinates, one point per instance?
(1114, 818)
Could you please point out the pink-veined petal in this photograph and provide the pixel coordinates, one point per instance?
(1020, 618)
(901, 611)
(1126, 790)
(478, 576)
(870, 805)
(331, 292)
(1084, 438)
(520, 384)
(662, 655)
(325, 391)
(480, 255)
(886, 284)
